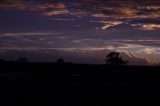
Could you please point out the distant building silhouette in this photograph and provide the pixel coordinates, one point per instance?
(114, 58)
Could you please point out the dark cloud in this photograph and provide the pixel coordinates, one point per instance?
(116, 9)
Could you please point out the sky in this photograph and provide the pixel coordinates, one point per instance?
(80, 31)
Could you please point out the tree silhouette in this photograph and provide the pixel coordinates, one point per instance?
(1, 60)
(114, 58)
(22, 59)
(60, 60)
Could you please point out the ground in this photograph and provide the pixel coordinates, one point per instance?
(40, 83)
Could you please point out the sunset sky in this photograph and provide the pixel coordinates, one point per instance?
(80, 31)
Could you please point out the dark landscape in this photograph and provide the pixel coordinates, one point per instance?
(67, 83)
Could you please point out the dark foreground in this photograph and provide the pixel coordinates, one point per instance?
(33, 84)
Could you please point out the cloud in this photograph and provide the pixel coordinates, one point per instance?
(108, 24)
(147, 26)
(41, 8)
(134, 60)
(92, 48)
(117, 10)
(63, 19)
(144, 42)
(148, 50)
(56, 12)
(28, 34)
(89, 55)
(137, 48)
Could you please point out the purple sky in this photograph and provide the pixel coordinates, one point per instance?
(81, 31)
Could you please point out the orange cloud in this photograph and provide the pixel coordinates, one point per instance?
(108, 24)
(116, 10)
(56, 12)
(147, 26)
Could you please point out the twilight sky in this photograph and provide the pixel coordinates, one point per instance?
(81, 31)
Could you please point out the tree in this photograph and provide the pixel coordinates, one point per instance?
(114, 58)
(60, 60)
(22, 59)
(1, 60)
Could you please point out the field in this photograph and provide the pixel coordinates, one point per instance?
(49, 83)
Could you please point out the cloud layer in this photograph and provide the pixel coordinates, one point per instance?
(57, 43)
(109, 12)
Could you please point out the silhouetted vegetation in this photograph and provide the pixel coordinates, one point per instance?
(1, 60)
(22, 60)
(60, 61)
(114, 58)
